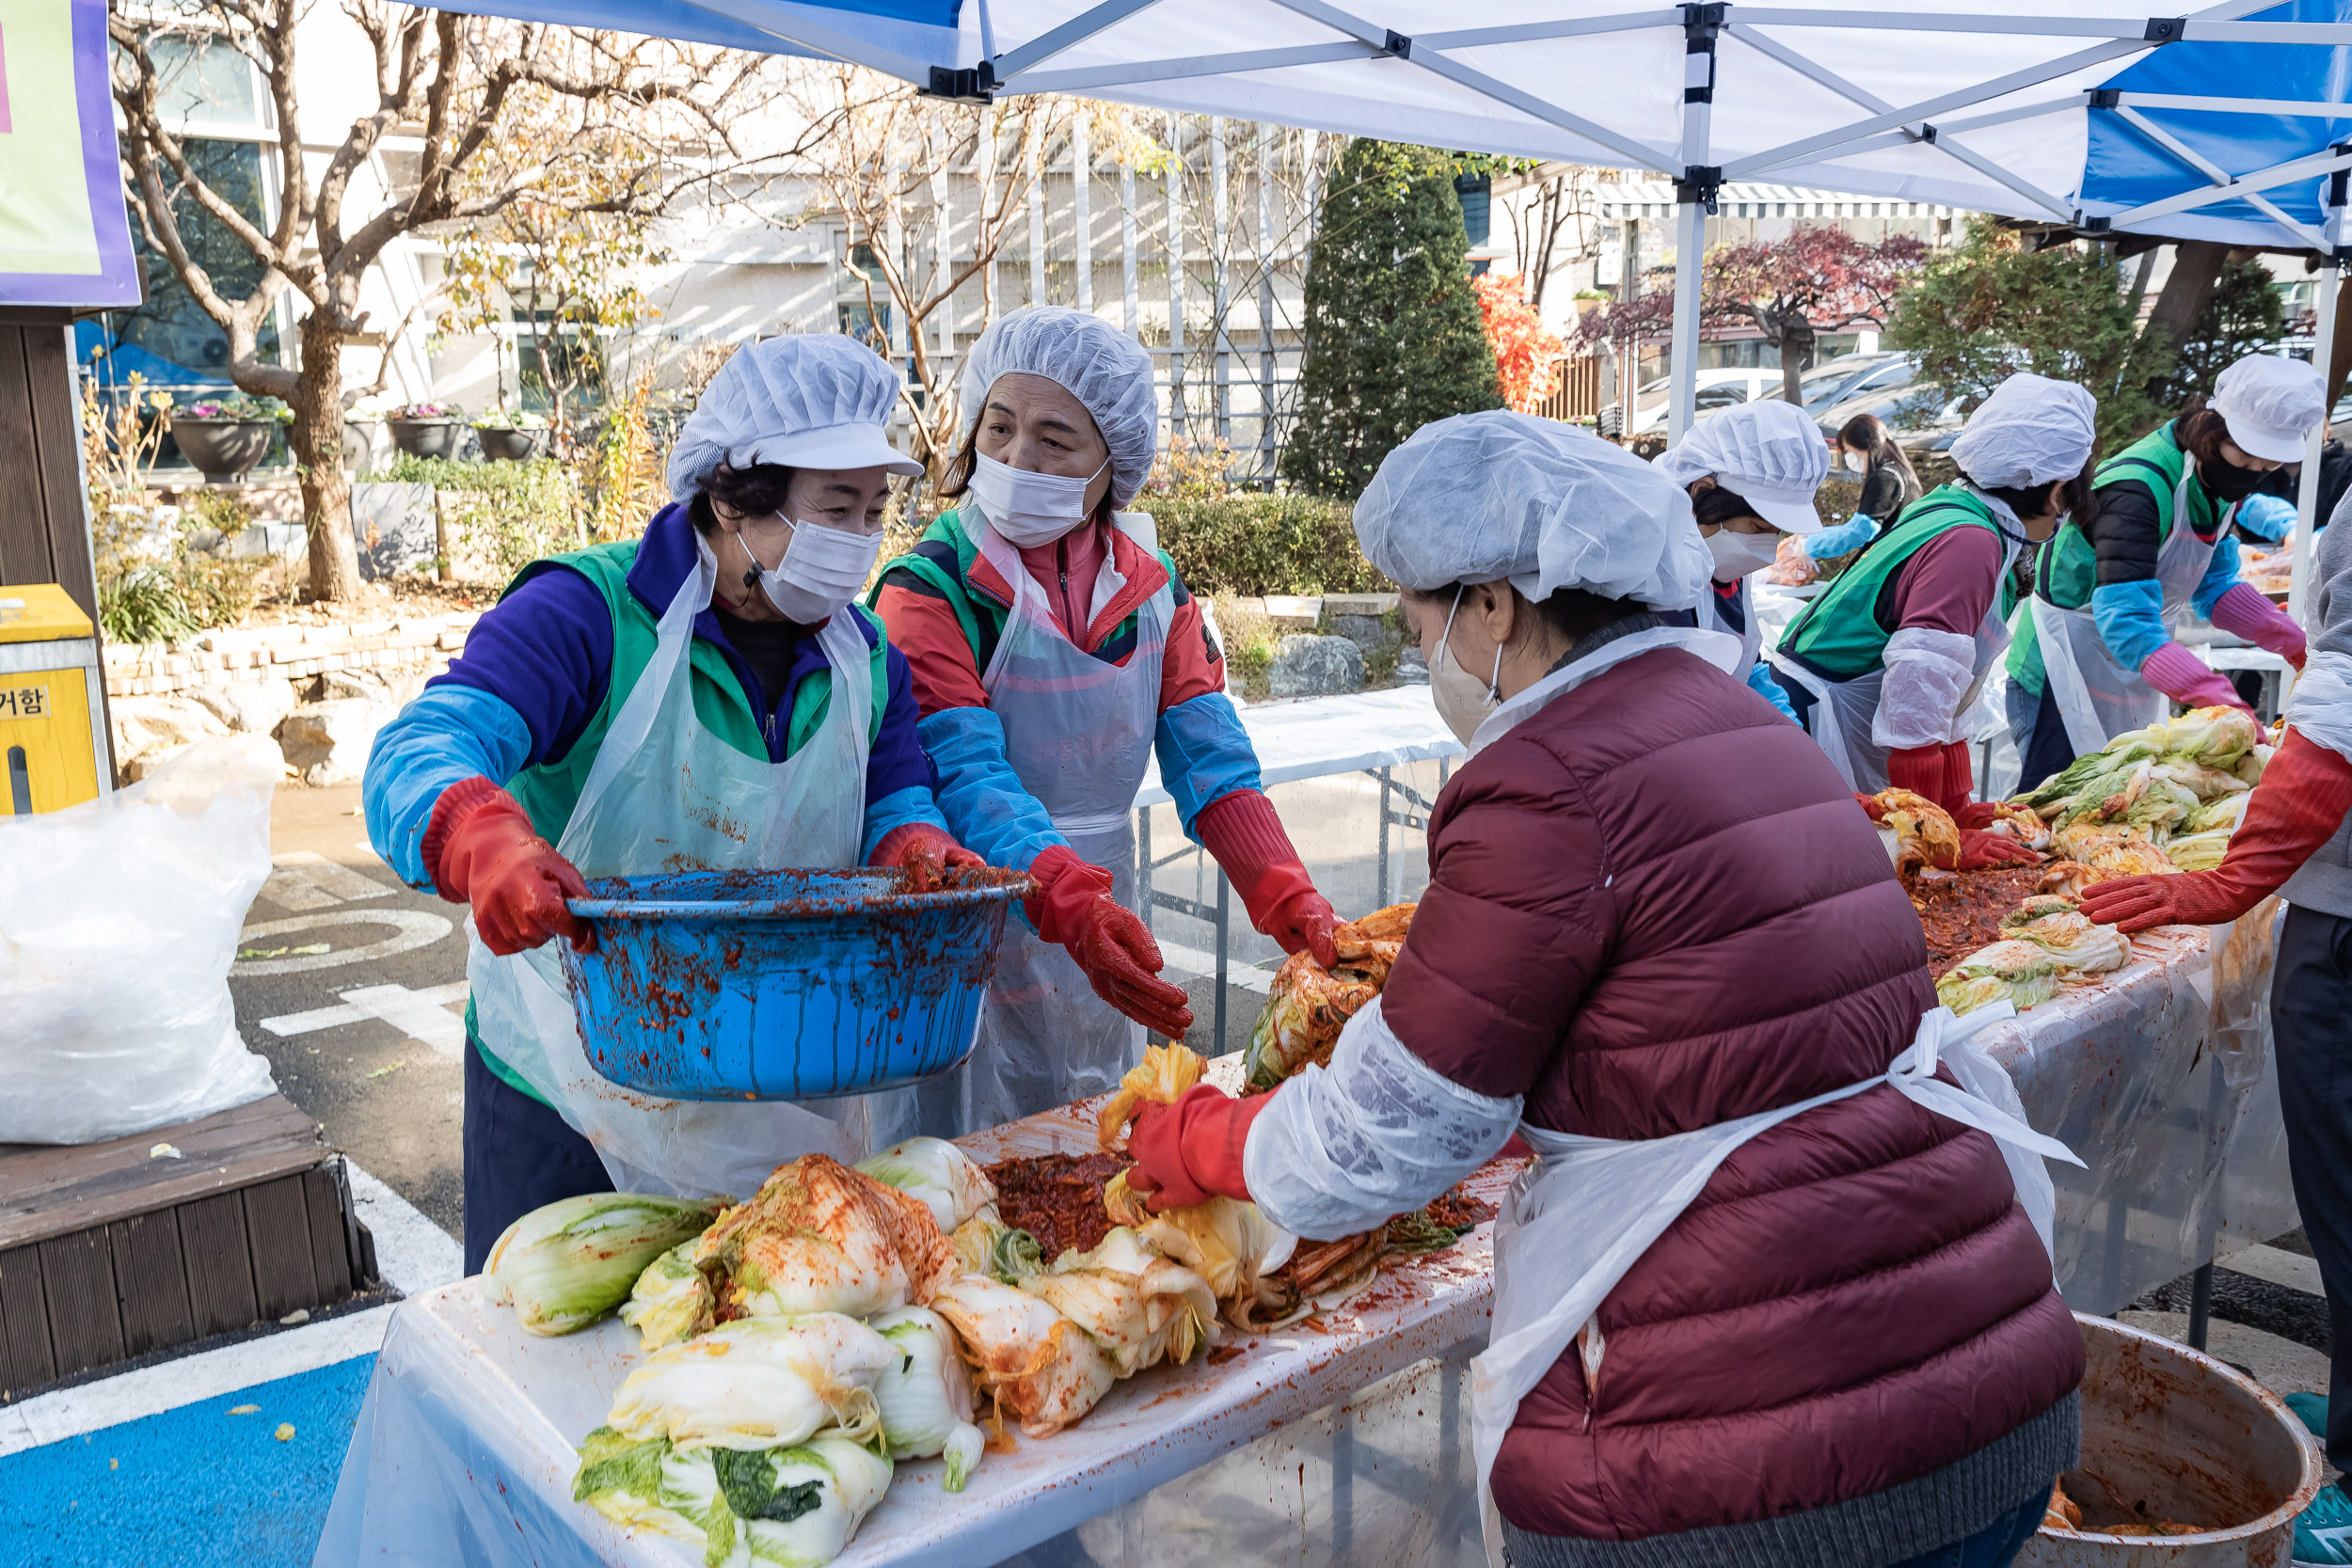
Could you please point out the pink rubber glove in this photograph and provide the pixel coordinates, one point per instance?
(2244, 610)
(2190, 680)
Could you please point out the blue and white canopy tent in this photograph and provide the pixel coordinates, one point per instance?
(2231, 123)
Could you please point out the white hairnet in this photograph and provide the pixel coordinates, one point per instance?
(1095, 362)
(1483, 497)
(805, 401)
(2270, 402)
(1768, 453)
(2030, 431)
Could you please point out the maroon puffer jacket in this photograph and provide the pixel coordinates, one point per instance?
(1653, 907)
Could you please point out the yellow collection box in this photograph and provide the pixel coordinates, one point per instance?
(53, 740)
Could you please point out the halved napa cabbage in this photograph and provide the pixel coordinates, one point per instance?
(1038, 1364)
(757, 1383)
(820, 1237)
(2199, 851)
(566, 1264)
(2010, 971)
(2054, 925)
(1140, 1306)
(985, 1244)
(673, 1300)
(949, 1181)
(926, 1399)
(1230, 1244)
(2224, 813)
(786, 1508)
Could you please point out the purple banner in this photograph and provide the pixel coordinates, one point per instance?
(65, 238)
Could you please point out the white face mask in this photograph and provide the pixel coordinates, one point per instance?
(1026, 508)
(1463, 700)
(1856, 462)
(822, 570)
(1737, 554)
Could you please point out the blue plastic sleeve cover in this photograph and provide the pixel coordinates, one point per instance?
(2130, 616)
(1204, 755)
(1846, 537)
(986, 806)
(896, 810)
(1760, 682)
(2221, 575)
(448, 734)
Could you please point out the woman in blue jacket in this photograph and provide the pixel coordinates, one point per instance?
(707, 696)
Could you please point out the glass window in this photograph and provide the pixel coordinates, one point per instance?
(1722, 395)
(169, 339)
(201, 79)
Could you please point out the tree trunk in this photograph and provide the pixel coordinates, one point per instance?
(316, 436)
(2340, 359)
(2196, 267)
(1796, 357)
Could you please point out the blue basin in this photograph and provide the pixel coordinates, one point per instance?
(782, 984)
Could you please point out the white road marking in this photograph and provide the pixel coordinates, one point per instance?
(304, 879)
(412, 1253)
(1191, 960)
(423, 1015)
(411, 928)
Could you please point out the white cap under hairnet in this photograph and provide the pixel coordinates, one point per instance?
(1096, 363)
(805, 401)
(1483, 497)
(2270, 404)
(2030, 431)
(1768, 453)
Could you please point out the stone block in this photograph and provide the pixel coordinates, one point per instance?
(250, 706)
(1293, 612)
(144, 724)
(328, 743)
(1310, 666)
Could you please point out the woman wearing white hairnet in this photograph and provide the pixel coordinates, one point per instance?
(1053, 648)
(2097, 654)
(707, 696)
(1758, 1305)
(1886, 665)
(1751, 471)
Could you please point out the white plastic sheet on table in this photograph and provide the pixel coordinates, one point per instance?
(2161, 1077)
(1314, 736)
(1321, 1450)
(463, 1452)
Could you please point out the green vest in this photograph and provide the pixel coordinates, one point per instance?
(981, 618)
(549, 790)
(1839, 635)
(2068, 567)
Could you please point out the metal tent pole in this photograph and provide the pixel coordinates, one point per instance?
(2323, 353)
(1694, 198)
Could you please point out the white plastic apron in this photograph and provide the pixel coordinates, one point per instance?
(1576, 1221)
(1843, 711)
(665, 794)
(1751, 636)
(1078, 733)
(2096, 695)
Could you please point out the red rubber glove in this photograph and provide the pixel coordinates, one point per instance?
(2305, 792)
(1123, 963)
(2187, 679)
(2244, 610)
(924, 851)
(1941, 773)
(480, 848)
(1190, 1152)
(1980, 851)
(1978, 814)
(1066, 888)
(1074, 906)
(1242, 830)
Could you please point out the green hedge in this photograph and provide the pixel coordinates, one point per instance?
(1255, 543)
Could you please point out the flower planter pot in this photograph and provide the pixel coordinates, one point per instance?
(507, 446)
(223, 450)
(428, 438)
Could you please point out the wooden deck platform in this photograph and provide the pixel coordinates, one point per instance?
(112, 1250)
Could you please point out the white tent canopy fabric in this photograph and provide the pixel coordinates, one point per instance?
(2227, 123)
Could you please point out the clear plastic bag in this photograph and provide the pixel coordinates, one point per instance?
(119, 920)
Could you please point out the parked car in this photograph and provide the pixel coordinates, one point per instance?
(1723, 387)
(1826, 384)
(1865, 392)
(1916, 417)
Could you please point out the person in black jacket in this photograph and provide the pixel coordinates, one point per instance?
(1888, 486)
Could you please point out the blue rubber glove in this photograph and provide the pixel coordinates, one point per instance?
(2268, 516)
(1848, 537)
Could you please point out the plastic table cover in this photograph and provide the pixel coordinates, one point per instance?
(1330, 1449)
(1310, 737)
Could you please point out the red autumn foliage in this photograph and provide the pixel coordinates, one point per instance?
(1527, 357)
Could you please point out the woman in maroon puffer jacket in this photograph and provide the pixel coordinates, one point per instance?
(1653, 908)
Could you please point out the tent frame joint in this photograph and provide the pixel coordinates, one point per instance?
(2166, 29)
(971, 84)
(1701, 183)
(1397, 44)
